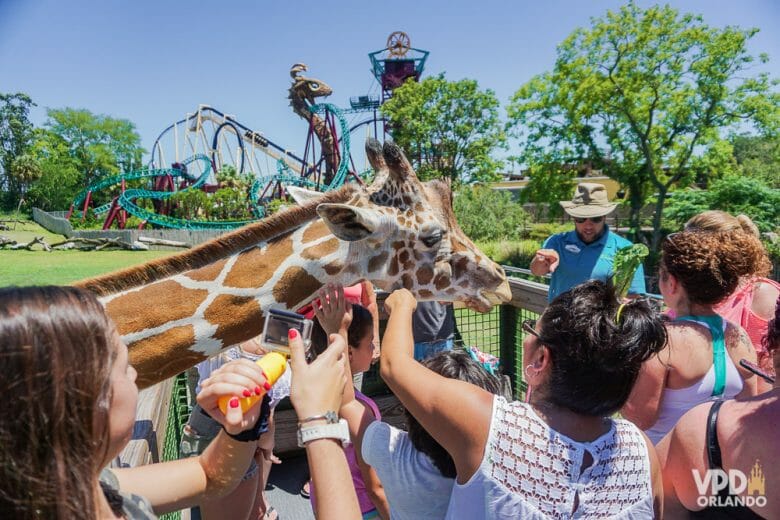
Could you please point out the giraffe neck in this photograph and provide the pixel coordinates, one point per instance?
(176, 322)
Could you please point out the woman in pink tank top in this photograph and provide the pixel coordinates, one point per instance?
(751, 305)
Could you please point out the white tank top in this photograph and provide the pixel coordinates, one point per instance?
(531, 471)
(675, 402)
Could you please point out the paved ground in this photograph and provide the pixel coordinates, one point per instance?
(285, 483)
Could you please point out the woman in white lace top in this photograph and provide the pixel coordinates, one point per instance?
(561, 455)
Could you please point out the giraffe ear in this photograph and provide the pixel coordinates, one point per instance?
(348, 222)
(302, 195)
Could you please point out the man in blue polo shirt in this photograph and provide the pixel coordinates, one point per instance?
(587, 252)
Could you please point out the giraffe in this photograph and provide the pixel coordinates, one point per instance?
(301, 94)
(396, 233)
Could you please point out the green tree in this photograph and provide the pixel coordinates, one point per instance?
(642, 94)
(101, 145)
(487, 214)
(447, 128)
(16, 133)
(733, 193)
(25, 170)
(758, 157)
(60, 179)
(549, 183)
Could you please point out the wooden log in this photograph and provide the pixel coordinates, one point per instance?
(28, 246)
(162, 242)
(98, 244)
(5, 241)
(287, 423)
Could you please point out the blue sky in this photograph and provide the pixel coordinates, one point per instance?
(153, 61)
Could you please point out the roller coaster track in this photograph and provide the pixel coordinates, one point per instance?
(284, 176)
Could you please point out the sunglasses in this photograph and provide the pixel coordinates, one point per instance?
(595, 220)
(529, 326)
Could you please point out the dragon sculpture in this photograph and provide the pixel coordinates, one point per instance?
(303, 92)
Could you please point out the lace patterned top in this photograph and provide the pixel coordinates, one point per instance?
(531, 471)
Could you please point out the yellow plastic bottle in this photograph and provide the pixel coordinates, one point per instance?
(273, 364)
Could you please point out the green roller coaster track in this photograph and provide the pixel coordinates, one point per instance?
(284, 175)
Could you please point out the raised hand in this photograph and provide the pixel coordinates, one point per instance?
(317, 387)
(548, 258)
(334, 312)
(240, 378)
(400, 298)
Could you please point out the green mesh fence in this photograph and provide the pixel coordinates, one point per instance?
(178, 414)
(498, 332)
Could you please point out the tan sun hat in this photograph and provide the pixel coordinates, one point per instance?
(590, 200)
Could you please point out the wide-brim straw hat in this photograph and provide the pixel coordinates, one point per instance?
(590, 200)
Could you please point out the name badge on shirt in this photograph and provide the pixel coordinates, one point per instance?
(572, 247)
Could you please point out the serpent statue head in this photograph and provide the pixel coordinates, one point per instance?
(307, 88)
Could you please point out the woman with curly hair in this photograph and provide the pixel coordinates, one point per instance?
(701, 358)
(735, 435)
(752, 303)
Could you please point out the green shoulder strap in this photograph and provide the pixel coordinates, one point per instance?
(715, 324)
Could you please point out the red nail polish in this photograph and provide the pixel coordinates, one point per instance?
(292, 334)
(258, 390)
(247, 393)
(267, 386)
(234, 402)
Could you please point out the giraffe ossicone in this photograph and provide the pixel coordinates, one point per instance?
(396, 233)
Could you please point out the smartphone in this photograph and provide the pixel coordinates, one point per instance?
(278, 323)
(757, 370)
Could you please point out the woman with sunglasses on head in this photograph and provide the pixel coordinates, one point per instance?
(701, 359)
(587, 252)
(751, 305)
(562, 455)
(736, 435)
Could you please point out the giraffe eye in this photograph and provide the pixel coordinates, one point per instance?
(432, 239)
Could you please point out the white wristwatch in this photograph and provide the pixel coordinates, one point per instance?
(338, 431)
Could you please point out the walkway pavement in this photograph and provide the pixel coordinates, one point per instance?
(285, 484)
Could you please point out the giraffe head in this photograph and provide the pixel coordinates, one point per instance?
(307, 88)
(403, 234)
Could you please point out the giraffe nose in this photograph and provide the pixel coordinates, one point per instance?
(502, 294)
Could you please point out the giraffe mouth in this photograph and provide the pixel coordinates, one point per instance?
(487, 299)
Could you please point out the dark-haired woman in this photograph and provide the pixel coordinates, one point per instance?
(334, 313)
(733, 436)
(416, 472)
(68, 409)
(701, 360)
(561, 455)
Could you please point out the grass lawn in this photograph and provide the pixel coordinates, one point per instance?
(38, 267)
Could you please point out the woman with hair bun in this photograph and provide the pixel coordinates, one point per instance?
(562, 455)
(752, 303)
(701, 359)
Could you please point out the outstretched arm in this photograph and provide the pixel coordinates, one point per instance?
(454, 412)
(317, 388)
(219, 469)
